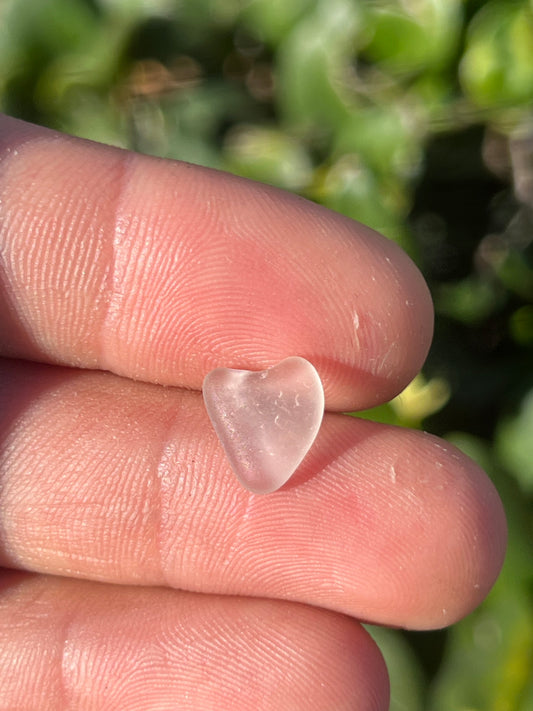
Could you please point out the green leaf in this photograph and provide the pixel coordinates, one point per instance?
(497, 67)
(489, 661)
(488, 664)
(521, 325)
(386, 136)
(514, 442)
(312, 66)
(406, 677)
(351, 188)
(271, 20)
(470, 301)
(268, 155)
(413, 36)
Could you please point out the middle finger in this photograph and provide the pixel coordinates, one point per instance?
(125, 482)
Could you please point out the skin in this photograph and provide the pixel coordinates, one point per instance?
(138, 573)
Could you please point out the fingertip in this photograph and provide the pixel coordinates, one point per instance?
(478, 540)
(455, 536)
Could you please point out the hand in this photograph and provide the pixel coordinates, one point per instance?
(138, 573)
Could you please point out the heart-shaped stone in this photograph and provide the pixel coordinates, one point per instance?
(266, 420)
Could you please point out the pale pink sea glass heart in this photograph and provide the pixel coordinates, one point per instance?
(266, 420)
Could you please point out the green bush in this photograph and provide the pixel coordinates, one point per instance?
(413, 117)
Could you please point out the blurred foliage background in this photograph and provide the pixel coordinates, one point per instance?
(413, 116)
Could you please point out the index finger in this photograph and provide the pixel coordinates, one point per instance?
(161, 271)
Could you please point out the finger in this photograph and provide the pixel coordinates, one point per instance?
(125, 482)
(83, 645)
(161, 271)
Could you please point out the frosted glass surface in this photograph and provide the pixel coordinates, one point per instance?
(266, 420)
